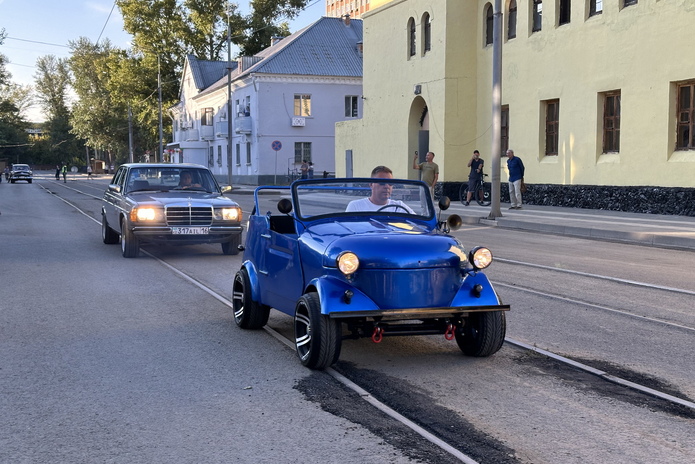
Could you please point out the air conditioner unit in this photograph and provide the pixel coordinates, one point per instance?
(298, 122)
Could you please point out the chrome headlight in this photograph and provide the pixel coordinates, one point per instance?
(228, 214)
(348, 262)
(145, 214)
(480, 257)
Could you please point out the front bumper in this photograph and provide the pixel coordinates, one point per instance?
(417, 313)
(216, 234)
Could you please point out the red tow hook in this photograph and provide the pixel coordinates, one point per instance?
(449, 333)
(377, 335)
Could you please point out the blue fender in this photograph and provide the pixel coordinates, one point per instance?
(331, 291)
(253, 279)
(467, 297)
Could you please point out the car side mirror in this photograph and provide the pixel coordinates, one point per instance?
(226, 188)
(285, 206)
(115, 188)
(444, 203)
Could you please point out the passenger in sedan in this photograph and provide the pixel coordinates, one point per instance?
(380, 197)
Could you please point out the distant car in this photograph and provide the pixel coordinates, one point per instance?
(21, 172)
(318, 258)
(177, 204)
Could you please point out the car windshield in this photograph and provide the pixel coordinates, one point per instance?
(20, 167)
(362, 197)
(166, 178)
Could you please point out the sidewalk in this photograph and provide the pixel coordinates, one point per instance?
(643, 229)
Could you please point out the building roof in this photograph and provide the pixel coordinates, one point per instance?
(327, 47)
(205, 73)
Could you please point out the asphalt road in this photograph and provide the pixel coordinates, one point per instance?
(106, 359)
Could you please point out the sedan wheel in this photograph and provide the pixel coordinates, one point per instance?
(232, 247)
(130, 246)
(483, 334)
(108, 235)
(318, 338)
(248, 314)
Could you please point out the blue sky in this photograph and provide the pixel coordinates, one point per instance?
(56, 22)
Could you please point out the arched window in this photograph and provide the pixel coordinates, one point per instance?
(488, 24)
(426, 33)
(411, 37)
(511, 22)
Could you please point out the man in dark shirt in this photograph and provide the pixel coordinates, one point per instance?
(476, 165)
(516, 175)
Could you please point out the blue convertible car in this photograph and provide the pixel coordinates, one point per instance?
(324, 253)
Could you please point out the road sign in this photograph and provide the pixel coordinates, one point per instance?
(276, 145)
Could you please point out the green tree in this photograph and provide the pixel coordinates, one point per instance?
(13, 137)
(96, 118)
(52, 84)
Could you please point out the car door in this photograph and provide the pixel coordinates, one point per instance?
(281, 274)
(114, 199)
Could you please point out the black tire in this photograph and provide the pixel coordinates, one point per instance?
(232, 247)
(108, 235)
(29, 181)
(483, 334)
(317, 338)
(487, 194)
(130, 245)
(248, 314)
(463, 193)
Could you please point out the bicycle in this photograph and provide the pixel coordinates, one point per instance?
(483, 192)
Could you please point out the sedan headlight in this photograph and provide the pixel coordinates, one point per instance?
(228, 214)
(348, 262)
(143, 214)
(480, 257)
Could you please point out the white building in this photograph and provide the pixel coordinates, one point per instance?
(285, 103)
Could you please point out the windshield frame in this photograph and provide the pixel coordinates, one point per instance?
(357, 188)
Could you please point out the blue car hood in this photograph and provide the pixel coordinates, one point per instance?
(386, 244)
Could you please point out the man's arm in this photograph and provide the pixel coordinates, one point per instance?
(415, 165)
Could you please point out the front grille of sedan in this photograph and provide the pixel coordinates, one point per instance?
(189, 216)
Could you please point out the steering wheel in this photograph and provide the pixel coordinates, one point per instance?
(395, 206)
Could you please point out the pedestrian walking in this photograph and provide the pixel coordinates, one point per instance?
(429, 170)
(304, 169)
(476, 165)
(516, 177)
(89, 172)
(57, 171)
(310, 171)
(64, 170)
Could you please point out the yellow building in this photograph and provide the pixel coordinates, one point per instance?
(593, 92)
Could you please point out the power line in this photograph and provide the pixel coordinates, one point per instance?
(107, 21)
(37, 42)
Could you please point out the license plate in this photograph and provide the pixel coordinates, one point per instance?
(190, 230)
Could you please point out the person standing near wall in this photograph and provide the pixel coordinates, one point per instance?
(516, 176)
(429, 169)
(476, 165)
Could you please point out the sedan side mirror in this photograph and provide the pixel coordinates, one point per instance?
(115, 188)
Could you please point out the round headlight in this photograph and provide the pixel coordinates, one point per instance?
(480, 257)
(348, 262)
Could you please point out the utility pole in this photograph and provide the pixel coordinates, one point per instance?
(161, 129)
(130, 134)
(495, 211)
(229, 100)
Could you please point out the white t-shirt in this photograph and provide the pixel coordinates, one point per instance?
(364, 204)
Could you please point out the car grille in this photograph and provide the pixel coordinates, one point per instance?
(189, 216)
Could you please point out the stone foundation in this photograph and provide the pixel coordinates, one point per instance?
(678, 201)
